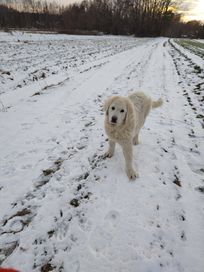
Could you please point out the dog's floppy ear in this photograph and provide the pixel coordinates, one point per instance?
(129, 118)
(107, 104)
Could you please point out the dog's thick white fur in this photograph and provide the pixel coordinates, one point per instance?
(124, 117)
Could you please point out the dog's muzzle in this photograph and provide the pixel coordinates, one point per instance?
(114, 120)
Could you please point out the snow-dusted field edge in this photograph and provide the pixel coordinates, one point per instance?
(62, 206)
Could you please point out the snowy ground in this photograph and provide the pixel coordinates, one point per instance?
(195, 46)
(200, 40)
(62, 206)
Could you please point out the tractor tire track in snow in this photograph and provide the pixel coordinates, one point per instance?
(81, 213)
(191, 80)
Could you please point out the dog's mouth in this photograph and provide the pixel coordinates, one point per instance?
(112, 123)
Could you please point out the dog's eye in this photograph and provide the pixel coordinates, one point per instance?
(113, 108)
(122, 111)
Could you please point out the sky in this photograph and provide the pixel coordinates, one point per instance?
(66, 2)
(192, 9)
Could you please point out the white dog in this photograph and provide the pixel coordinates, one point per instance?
(124, 118)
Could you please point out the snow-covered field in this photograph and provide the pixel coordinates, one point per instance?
(200, 40)
(194, 46)
(63, 207)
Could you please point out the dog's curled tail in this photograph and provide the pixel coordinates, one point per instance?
(158, 103)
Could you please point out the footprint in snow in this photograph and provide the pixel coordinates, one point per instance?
(100, 239)
(62, 230)
(73, 266)
(102, 236)
(26, 166)
(27, 125)
(85, 224)
(16, 226)
(112, 218)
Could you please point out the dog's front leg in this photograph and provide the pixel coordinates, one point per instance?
(136, 139)
(128, 154)
(111, 149)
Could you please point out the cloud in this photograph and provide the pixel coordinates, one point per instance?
(186, 5)
(67, 2)
(191, 9)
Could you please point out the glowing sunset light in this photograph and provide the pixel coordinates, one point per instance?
(195, 12)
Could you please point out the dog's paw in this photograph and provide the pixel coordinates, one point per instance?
(135, 140)
(132, 174)
(108, 154)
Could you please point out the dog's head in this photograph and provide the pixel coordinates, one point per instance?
(117, 110)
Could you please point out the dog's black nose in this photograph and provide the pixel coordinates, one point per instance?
(114, 119)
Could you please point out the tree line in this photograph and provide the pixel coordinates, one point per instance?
(138, 17)
(30, 14)
(118, 17)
